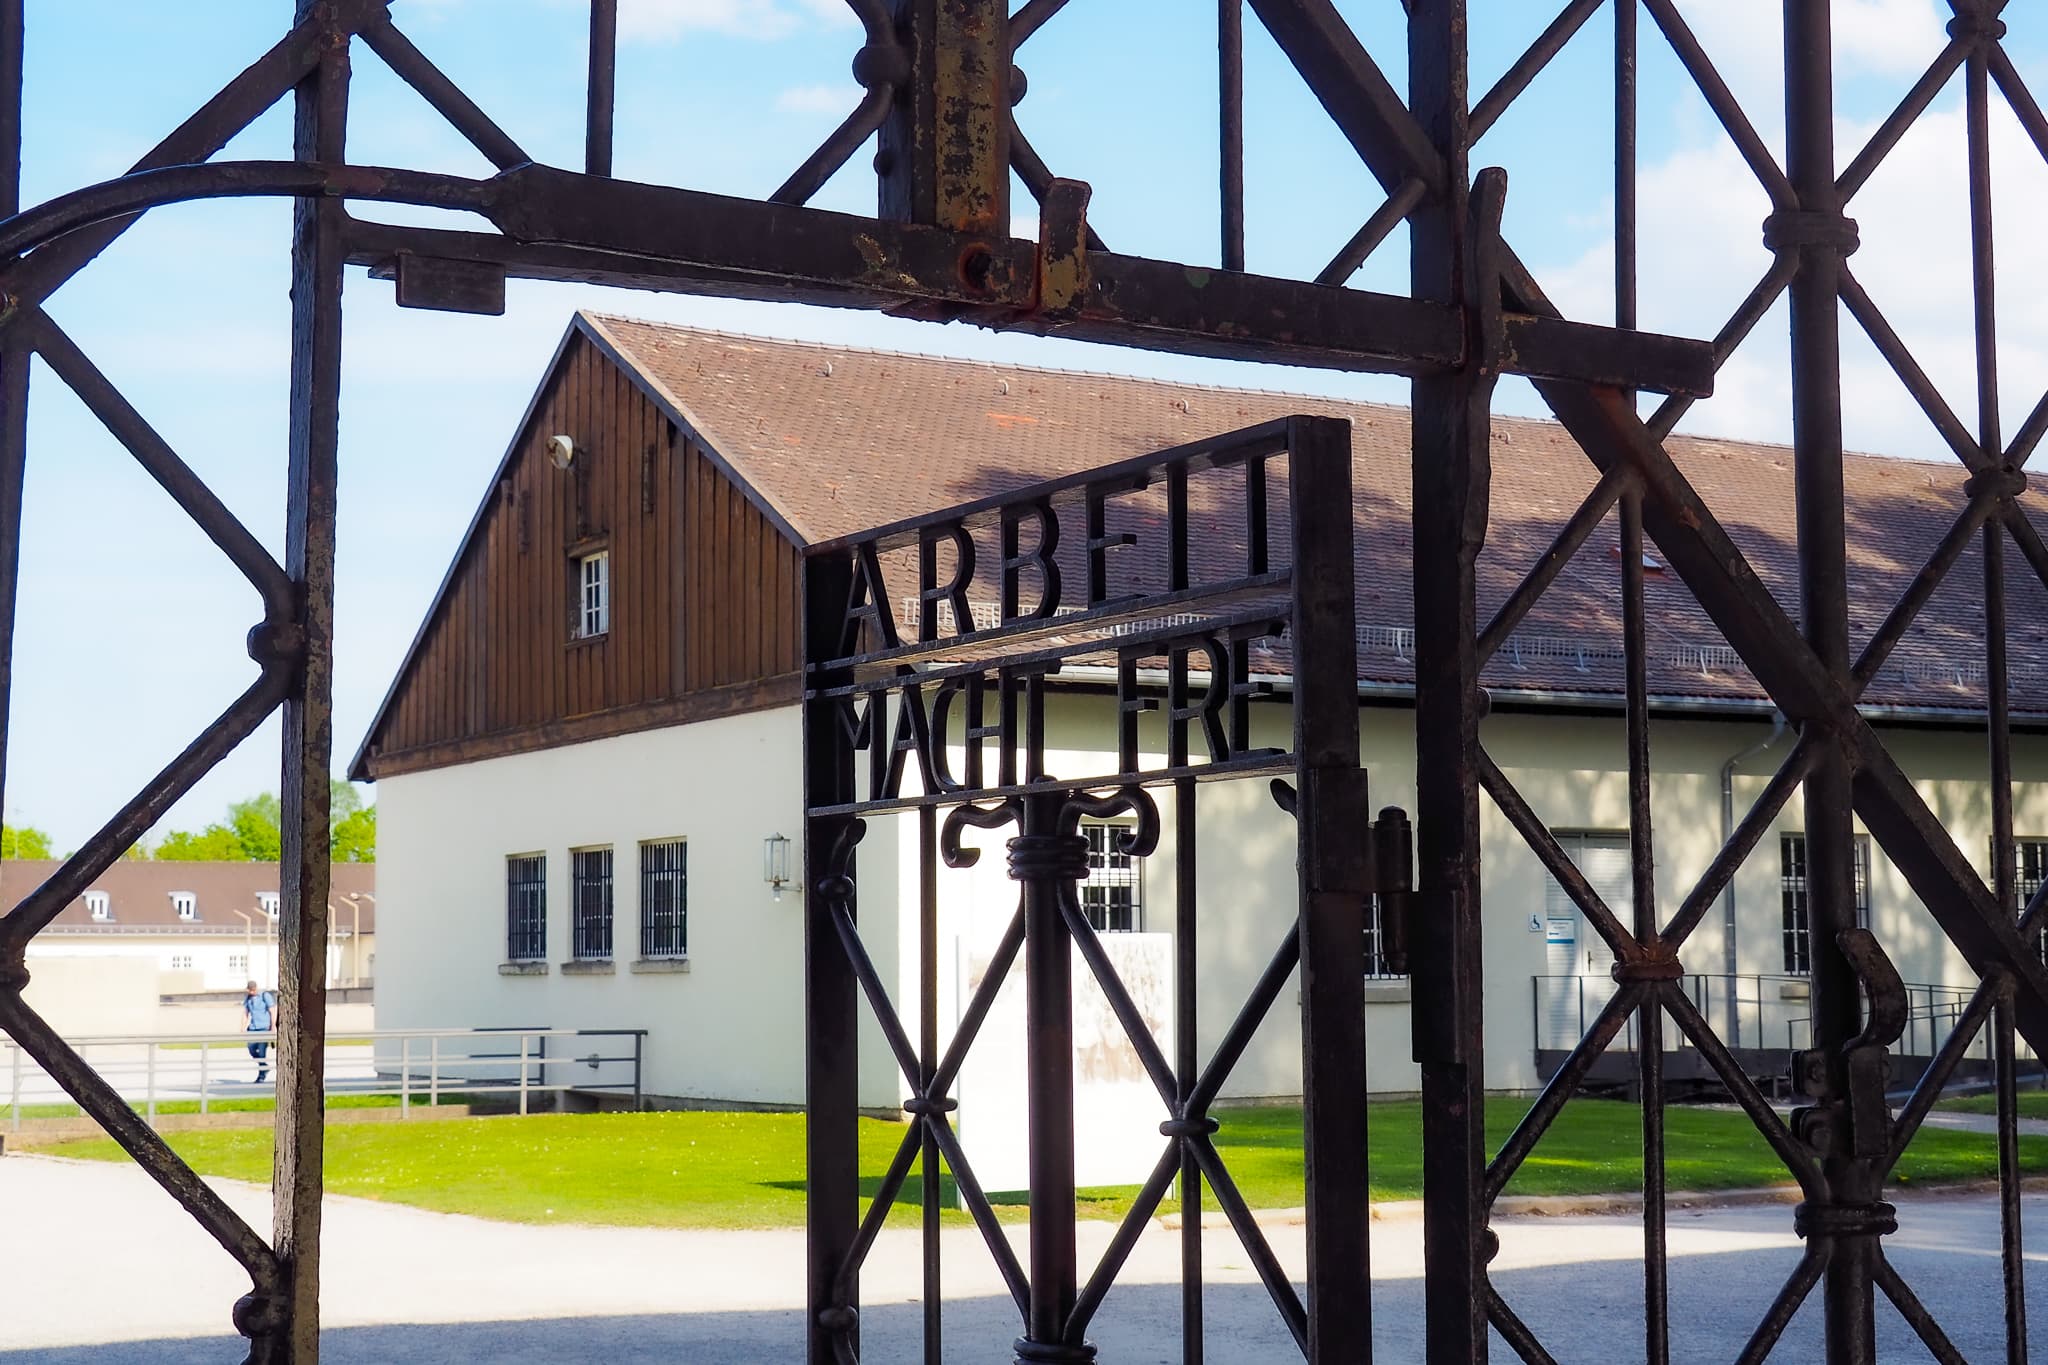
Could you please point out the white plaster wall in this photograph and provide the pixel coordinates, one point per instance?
(218, 962)
(106, 995)
(732, 1027)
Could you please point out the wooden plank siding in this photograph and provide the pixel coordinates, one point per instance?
(703, 591)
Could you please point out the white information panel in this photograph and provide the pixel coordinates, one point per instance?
(1117, 1111)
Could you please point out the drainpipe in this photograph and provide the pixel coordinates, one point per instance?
(1728, 892)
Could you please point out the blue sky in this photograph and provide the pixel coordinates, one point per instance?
(131, 624)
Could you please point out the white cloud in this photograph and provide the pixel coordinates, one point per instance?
(1701, 216)
(1894, 36)
(818, 99)
(664, 21)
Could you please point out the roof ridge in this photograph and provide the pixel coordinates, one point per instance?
(890, 353)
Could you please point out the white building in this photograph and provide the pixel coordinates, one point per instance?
(595, 731)
(148, 935)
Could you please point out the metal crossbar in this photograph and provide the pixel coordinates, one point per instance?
(940, 97)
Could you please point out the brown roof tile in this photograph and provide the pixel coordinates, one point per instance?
(139, 894)
(837, 439)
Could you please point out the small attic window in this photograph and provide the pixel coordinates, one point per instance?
(186, 904)
(99, 906)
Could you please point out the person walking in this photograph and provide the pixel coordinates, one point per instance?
(259, 1014)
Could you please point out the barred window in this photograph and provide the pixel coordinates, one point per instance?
(664, 899)
(1793, 891)
(1112, 892)
(590, 872)
(1375, 945)
(2031, 855)
(526, 908)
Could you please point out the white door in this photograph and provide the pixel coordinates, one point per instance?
(1579, 961)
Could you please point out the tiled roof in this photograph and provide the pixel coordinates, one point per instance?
(139, 894)
(835, 440)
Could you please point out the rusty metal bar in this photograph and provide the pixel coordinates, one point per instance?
(447, 98)
(1916, 1314)
(1574, 533)
(601, 89)
(14, 372)
(1732, 334)
(932, 1205)
(1923, 390)
(1187, 1058)
(1555, 860)
(320, 135)
(1230, 129)
(1388, 216)
(1900, 121)
(1756, 823)
(1452, 434)
(1530, 64)
(1722, 101)
(2012, 1250)
(1560, 1088)
(1812, 1264)
(1514, 1331)
(1931, 576)
(1334, 884)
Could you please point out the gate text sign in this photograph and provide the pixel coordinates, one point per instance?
(1151, 587)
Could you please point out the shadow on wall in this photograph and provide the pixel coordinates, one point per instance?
(1595, 1311)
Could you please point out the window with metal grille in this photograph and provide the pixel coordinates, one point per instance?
(590, 876)
(1793, 892)
(99, 905)
(526, 908)
(1112, 892)
(2031, 857)
(664, 899)
(1375, 951)
(593, 595)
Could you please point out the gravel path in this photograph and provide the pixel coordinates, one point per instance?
(119, 1274)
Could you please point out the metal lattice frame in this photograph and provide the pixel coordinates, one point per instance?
(939, 86)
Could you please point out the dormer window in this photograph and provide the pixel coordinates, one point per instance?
(267, 902)
(99, 906)
(186, 904)
(594, 595)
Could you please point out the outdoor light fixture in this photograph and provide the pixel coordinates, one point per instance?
(775, 863)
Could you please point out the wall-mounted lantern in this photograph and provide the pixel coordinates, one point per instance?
(775, 863)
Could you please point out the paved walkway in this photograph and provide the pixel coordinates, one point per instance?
(101, 1267)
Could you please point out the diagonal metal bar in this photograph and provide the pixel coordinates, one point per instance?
(1922, 389)
(1812, 1265)
(2021, 100)
(1722, 101)
(155, 455)
(1799, 1162)
(238, 104)
(822, 164)
(1513, 1330)
(1037, 176)
(112, 1112)
(1900, 120)
(878, 1208)
(1124, 1242)
(1560, 1088)
(1961, 1036)
(1731, 336)
(1915, 1313)
(1529, 65)
(1120, 1003)
(1555, 860)
(2028, 437)
(878, 995)
(983, 1213)
(1342, 75)
(1941, 876)
(1552, 561)
(1270, 1272)
(1923, 587)
(978, 1006)
(1390, 215)
(132, 821)
(1760, 819)
(2020, 527)
(1253, 1013)
(1031, 18)
(448, 99)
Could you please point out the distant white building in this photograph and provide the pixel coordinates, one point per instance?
(594, 737)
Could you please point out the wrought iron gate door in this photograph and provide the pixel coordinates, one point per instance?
(1188, 621)
(940, 90)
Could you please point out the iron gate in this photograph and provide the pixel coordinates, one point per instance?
(939, 83)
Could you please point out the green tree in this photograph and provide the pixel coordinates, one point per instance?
(257, 823)
(216, 843)
(23, 841)
(355, 837)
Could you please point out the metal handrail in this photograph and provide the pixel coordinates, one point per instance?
(150, 1079)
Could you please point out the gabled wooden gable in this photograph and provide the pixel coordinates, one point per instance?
(703, 586)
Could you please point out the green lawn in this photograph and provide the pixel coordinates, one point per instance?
(250, 1105)
(2033, 1104)
(746, 1170)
